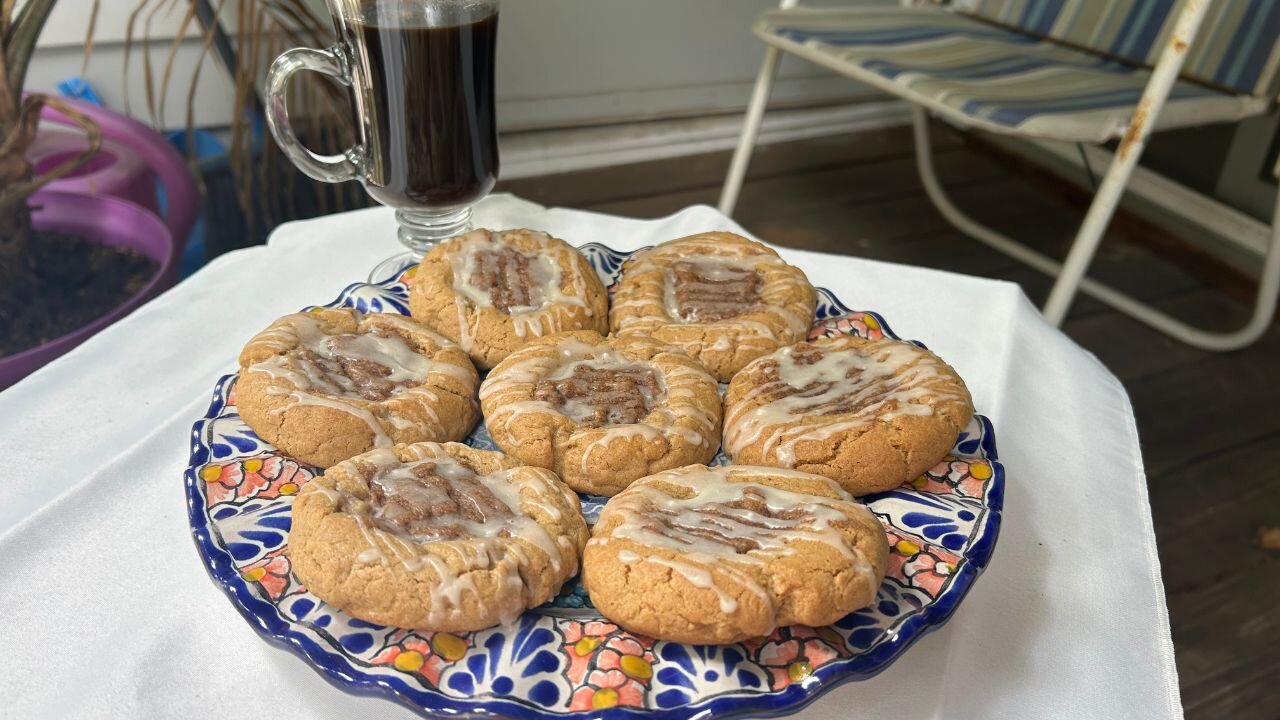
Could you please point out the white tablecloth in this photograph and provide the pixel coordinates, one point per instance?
(106, 610)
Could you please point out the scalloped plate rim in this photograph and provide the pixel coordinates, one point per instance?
(266, 620)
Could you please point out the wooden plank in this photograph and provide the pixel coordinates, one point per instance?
(950, 251)
(807, 192)
(1193, 410)
(1134, 351)
(1221, 587)
(1147, 282)
(1225, 646)
(1128, 348)
(1217, 501)
(886, 229)
(1137, 232)
(1223, 496)
(1119, 262)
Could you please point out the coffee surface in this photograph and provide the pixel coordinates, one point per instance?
(427, 102)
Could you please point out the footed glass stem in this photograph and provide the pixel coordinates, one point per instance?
(421, 230)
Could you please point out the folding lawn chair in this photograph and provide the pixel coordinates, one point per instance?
(1084, 71)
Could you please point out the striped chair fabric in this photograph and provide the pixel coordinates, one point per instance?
(986, 73)
(1236, 47)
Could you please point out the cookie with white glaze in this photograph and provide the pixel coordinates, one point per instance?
(328, 384)
(492, 292)
(436, 537)
(869, 414)
(722, 298)
(721, 555)
(602, 412)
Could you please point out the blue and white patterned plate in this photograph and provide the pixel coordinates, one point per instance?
(564, 661)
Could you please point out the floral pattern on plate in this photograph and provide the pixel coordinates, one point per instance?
(564, 660)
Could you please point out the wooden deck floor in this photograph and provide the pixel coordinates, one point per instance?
(1209, 423)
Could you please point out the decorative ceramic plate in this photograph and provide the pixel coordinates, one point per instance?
(564, 661)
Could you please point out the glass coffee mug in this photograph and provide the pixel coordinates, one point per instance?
(421, 79)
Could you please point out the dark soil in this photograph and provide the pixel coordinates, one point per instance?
(66, 283)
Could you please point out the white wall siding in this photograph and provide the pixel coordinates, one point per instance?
(561, 62)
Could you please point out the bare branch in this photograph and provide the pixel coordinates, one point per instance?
(24, 131)
(89, 34)
(20, 40)
(178, 38)
(128, 50)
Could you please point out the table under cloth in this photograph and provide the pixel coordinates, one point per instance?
(106, 609)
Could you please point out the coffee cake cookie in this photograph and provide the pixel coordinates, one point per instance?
(492, 292)
(331, 383)
(436, 537)
(869, 414)
(720, 297)
(602, 412)
(720, 555)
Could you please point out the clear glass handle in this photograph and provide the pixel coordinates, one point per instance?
(333, 63)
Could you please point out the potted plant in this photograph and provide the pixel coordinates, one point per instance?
(72, 263)
(69, 264)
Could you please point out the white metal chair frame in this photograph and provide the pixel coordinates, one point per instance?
(1070, 274)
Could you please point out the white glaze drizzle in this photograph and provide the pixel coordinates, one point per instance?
(722, 344)
(468, 323)
(304, 331)
(649, 292)
(509, 396)
(551, 309)
(707, 268)
(545, 276)
(486, 545)
(700, 507)
(576, 409)
(409, 327)
(886, 380)
(312, 385)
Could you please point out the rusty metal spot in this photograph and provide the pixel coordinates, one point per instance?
(1136, 129)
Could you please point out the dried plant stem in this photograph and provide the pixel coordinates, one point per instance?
(178, 38)
(23, 132)
(6, 12)
(128, 50)
(209, 34)
(148, 77)
(261, 29)
(15, 220)
(90, 33)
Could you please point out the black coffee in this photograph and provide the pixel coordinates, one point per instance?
(429, 111)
